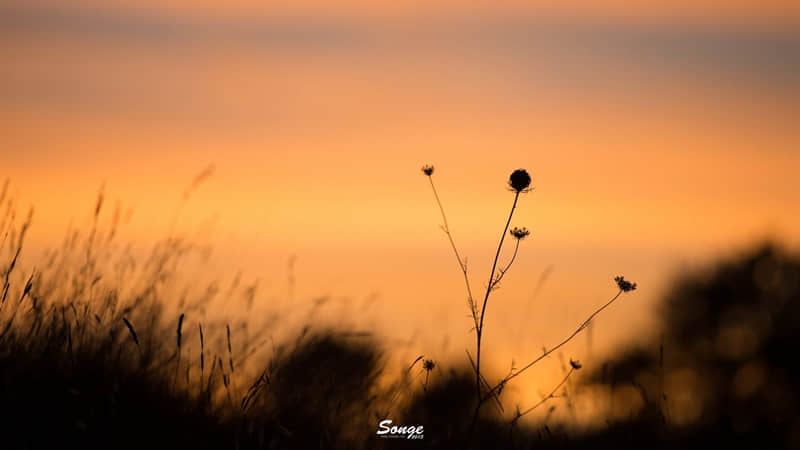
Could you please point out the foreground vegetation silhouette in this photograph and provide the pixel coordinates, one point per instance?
(91, 358)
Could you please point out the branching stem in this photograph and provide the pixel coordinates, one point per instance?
(547, 353)
(548, 397)
(461, 263)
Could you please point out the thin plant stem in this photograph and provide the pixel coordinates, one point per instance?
(489, 287)
(508, 266)
(461, 264)
(548, 397)
(549, 352)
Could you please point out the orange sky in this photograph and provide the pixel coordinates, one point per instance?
(745, 10)
(656, 137)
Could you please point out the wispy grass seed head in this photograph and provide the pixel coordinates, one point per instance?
(131, 330)
(575, 364)
(180, 329)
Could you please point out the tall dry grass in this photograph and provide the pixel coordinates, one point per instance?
(105, 350)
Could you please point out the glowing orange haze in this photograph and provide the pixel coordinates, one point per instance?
(747, 10)
(648, 148)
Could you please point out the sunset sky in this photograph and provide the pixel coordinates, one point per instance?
(657, 136)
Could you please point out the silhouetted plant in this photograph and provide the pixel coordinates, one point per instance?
(519, 182)
(428, 365)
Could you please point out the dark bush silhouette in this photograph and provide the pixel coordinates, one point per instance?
(318, 392)
(726, 369)
(92, 400)
(321, 392)
(444, 408)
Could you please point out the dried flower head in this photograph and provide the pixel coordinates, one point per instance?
(575, 364)
(519, 233)
(625, 285)
(428, 365)
(519, 180)
(427, 170)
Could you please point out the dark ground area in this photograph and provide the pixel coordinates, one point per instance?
(75, 375)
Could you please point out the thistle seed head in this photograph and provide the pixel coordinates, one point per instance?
(519, 180)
